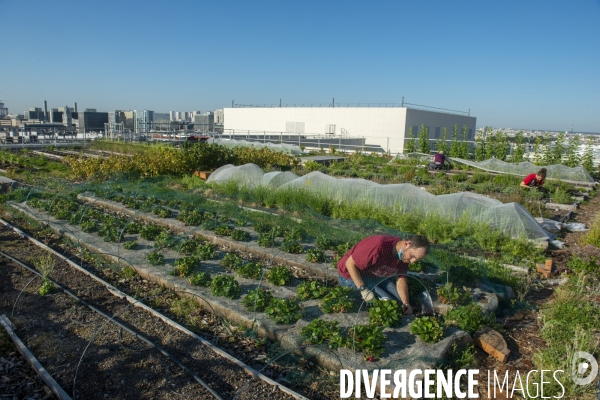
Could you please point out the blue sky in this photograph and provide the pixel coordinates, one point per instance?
(521, 64)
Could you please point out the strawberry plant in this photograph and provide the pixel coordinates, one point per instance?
(155, 258)
(469, 318)
(284, 311)
(315, 256)
(428, 328)
(241, 222)
(319, 331)
(341, 250)
(227, 286)
(133, 227)
(205, 252)
(150, 232)
(184, 266)
(200, 279)
(262, 227)
(191, 217)
(338, 300)
(188, 246)
(279, 276)
(251, 270)
(385, 313)
(291, 247)
(257, 299)
(89, 226)
(453, 295)
(130, 245)
(324, 243)
(294, 235)
(311, 290)
(109, 233)
(266, 240)
(165, 240)
(368, 338)
(161, 212)
(240, 235)
(223, 230)
(232, 261)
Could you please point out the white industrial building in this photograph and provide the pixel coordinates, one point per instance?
(384, 128)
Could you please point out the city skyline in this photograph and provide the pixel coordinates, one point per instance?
(529, 66)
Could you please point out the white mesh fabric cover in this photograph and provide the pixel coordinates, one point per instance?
(282, 147)
(562, 172)
(511, 218)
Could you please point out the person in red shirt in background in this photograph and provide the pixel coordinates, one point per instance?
(438, 160)
(366, 265)
(535, 181)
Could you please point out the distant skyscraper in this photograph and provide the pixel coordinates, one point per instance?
(3, 110)
(219, 117)
(144, 120)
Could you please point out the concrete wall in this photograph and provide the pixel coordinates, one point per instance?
(381, 126)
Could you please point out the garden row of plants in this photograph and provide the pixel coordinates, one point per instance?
(168, 160)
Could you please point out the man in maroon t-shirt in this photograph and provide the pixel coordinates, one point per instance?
(378, 257)
(535, 180)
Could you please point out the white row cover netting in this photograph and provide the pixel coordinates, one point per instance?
(510, 218)
(557, 171)
(282, 147)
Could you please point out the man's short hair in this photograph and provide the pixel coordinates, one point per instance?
(419, 242)
(542, 172)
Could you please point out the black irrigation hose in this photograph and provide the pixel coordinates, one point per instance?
(121, 325)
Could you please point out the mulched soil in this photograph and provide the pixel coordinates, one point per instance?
(114, 364)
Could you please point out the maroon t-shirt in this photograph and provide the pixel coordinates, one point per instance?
(439, 158)
(531, 180)
(375, 256)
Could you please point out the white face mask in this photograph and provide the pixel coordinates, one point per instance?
(400, 255)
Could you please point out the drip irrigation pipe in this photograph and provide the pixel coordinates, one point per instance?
(123, 326)
(250, 371)
(40, 371)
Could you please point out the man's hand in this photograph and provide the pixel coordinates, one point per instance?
(366, 294)
(408, 309)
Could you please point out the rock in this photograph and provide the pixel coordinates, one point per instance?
(492, 343)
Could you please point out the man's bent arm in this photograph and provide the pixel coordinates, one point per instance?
(355, 273)
(402, 287)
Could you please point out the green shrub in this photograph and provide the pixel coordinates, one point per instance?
(284, 311)
(232, 261)
(200, 279)
(251, 270)
(429, 329)
(279, 276)
(311, 290)
(469, 318)
(226, 286)
(257, 299)
(385, 313)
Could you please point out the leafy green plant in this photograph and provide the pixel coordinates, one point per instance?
(240, 235)
(368, 338)
(449, 294)
(227, 286)
(279, 275)
(223, 230)
(184, 266)
(266, 240)
(319, 331)
(341, 250)
(130, 245)
(45, 265)
(386, 313)
(188, 246)
(89, 226)
(232, 261)
(155, 258)
(294, 235)
(200, 279)
(251, 270)
(428, 328)
(161, 212)
(262, 227)
(324, 243)
(133, 227)
(469, 318)
(257, 299)
(191, 217)
(205, 252)
(315, 256)
(311, 290)
(284, 311)
(291, 247)
(129, 272)
(165, 240)
(338, 300)
(150, 232)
